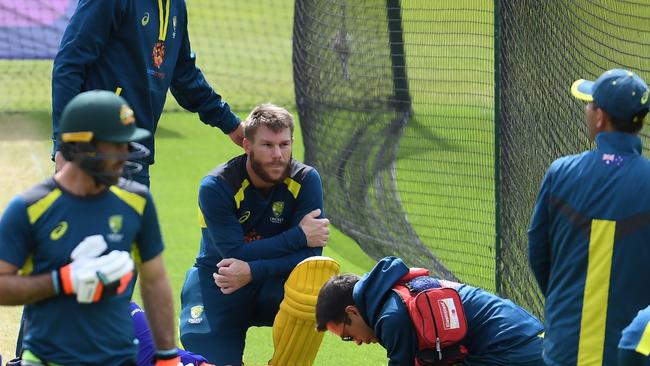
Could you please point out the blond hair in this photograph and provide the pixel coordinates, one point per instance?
(269, 115)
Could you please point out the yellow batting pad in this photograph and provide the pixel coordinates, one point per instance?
(295, 337)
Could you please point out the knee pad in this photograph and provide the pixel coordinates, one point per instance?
(295, 337)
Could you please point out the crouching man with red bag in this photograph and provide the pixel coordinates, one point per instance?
(423, 321)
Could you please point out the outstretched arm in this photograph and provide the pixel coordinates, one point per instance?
(193, 93)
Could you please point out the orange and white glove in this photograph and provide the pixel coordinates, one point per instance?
(91, 276)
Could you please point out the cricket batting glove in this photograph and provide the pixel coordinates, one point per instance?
(91, 247)
(90, 277)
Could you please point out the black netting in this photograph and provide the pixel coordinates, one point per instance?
(396, 104)
(545, 46)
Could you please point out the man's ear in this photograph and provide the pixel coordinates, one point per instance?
(600, 119)
(351, 310)
(246, 144)
(603, 121)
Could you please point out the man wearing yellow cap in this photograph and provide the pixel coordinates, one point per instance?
(588, 236)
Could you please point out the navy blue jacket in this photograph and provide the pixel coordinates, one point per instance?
(239, 221)
(589, 249)
(109, 45)
(499, 332)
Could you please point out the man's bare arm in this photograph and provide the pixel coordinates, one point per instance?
(19, 290)
(158, 302)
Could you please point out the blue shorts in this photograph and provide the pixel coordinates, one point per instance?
(214, 325)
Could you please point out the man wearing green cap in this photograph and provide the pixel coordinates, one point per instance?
(70, 244)
(588, 236)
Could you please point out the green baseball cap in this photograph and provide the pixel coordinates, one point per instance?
(99, 115)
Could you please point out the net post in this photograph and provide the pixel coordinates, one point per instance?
(401, 95)
(497, 148)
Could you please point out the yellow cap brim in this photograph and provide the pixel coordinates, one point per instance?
(582, 89)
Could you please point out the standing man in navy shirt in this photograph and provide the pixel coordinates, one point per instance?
(588, 236)
(138, 49)
(260, 215)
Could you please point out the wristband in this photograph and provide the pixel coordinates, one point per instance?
(56, 282)
(167, 354)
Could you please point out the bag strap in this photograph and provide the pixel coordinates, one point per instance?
(413, 272)
(407, 298)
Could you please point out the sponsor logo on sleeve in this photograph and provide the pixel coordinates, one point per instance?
(145, 19)
(244, 217)
(59, 230)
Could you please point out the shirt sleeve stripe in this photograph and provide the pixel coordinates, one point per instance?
(132, 199)
(293, 187)
(239, 196)
(202, 223)
(37, 209)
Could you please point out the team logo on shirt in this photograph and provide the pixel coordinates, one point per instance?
(126, 115)
(115, 224)
(277, 207)
(252, 236)
(158, 53)
(59, 230)
(195, 314)
(145, 19)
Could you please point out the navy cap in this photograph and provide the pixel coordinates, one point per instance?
(620, 93)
